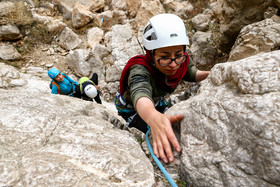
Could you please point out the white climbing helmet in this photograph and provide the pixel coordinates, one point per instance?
(165, 30)
(91, 91)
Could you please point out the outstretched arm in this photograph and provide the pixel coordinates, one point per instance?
(161, 129)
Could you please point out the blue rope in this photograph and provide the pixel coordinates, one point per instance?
(163, 170)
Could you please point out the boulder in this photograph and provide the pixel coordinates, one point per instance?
(113, 73)
(66, 6)
(110, 18)
(81, 16)
(56, 140)
(230, 131)
(235, 14)
(146, 10)
(263, 36)
(68, 39)
(119, 5)
(133, 7)
(77, 61)
(94, 36)
(201, 22)
(203, 50)
(123, 43)
(8, 52)
(9, 32)
(53, 26)
(7, 74)
(181, 8)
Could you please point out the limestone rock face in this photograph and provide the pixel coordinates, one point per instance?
(77, 62)
(259, 37)
(133, 6)
(202, 49)
(56, 140)
(7, 75)
(123, 43)
(54, 26)
(201, 22)
(230, 131)
(235, 14)
(94, 36)
(147, 9)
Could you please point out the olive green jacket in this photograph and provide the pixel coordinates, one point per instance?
(142, 84)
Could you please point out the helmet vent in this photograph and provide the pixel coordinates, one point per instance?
(147, 28)
(152, 36)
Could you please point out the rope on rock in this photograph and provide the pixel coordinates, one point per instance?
(163, 170)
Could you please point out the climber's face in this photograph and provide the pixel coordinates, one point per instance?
(59, 78)
(169, 59)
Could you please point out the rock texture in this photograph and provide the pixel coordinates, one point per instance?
(57, 140)
(81, 37)
(230, 131)
(259, 37)
(9, 32)
(230, 134)
(8, 52)
(203, 51)
(234, 15)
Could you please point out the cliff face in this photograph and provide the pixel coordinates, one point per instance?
(229, 134)
(234, 15)
(84, 37)
(230, 129)
(56, 140)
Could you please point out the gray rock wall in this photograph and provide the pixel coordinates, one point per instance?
(53, 140)
(234, 15)
(230, 131)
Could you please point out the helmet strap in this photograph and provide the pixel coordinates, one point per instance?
(152, 53)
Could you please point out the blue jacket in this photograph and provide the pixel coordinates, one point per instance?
(67, 86)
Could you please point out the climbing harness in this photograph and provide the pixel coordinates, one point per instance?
(163, 170)
(122, 101)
